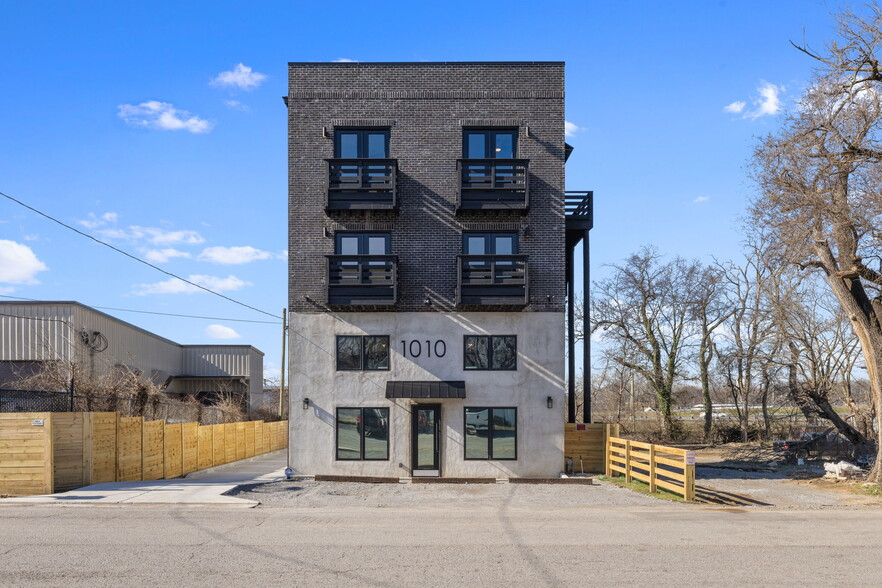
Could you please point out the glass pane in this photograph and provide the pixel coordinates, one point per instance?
(475, 246)
(505, 353)
(477, 441)
(375, 424)
(348, 352)
(504, 245)
(377, 245)
(425, 445)
(505, 430)
(476, 146)
(376, 145)
(347, 245)
(476, 356)
(348, 145)
(376, 352)
(504, 148)
(348, 437)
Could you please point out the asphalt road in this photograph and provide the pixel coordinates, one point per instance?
(430, 546)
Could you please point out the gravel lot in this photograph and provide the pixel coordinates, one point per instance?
(308, 493)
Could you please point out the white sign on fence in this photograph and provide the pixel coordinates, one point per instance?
(690, 458)
(37, 423)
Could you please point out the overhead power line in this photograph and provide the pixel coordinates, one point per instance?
(138, 259)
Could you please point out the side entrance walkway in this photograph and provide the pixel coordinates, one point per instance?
(205, 487)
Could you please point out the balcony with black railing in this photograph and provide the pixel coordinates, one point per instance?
(493, 184)
(362, 184)
(492, 280)
(361, 280)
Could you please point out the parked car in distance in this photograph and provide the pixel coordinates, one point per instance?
(717, 416)
(828, 442)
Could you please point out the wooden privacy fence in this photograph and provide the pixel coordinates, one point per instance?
(659, 466)
(585, 444)
(44, 452)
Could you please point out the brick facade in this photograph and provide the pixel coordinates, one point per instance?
(426, 106)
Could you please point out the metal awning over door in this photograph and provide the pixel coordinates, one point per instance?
(442, 389)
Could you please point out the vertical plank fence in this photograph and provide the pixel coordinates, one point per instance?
(657, 465)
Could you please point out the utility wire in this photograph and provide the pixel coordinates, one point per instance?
(193, 316)
(138, 259)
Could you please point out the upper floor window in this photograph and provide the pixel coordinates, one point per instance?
(490, 352)
(490, 243)
(363, 244)
(489, 143)
(361, 143)
(362, 352)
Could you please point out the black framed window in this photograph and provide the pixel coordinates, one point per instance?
(489, 143)
(363, 434)
(361, 143)
(491, 433)
(346, 243)
(490, 352)
(490, 243)
(362, 352)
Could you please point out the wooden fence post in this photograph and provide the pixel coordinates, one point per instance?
(689, 475)
(607, 451)
(627, 461)
(652, 486)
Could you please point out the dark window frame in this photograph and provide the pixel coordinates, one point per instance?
(490, 241)
(363, 237)
(490, 133)
(489, 367)
(361, 435)
(363, 367)
(490, 428)
(363, 133)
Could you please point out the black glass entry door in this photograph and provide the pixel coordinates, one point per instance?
(426, 435)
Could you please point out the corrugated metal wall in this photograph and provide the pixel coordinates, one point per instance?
(227, 360)
(35, 332)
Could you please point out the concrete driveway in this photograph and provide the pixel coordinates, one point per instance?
(205, 487)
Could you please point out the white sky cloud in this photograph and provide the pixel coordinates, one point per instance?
(164, 255)
(154, 114)
(18, 264)
(345, 60)
(94, 221)
(221, 332)
(176, 286)
(236, 105)
(570, 129)
(233, 255)
(701, 199)
(153, 235)
(241, 76)
(735, 107)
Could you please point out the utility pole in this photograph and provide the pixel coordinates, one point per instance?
(282, 379)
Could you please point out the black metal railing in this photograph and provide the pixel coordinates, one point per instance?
(362, 279)
(579, 209)
(362, 184)
(492, 279)
(493, 184)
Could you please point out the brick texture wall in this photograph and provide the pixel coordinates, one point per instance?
(426, 106)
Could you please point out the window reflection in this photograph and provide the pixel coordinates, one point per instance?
(491, 433)
(363, 433)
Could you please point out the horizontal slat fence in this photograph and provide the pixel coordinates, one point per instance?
(585, 444)
(42, 453)
(659, 466)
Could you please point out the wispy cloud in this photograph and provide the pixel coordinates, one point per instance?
(570, 129)
(766, 102)
(153, 235)
(241, 76)
(176, 286)
(153, 114)
(236, 105)
(345, 60)
(164, 255)
(94, 221)
(735, 107)
(18, 264)
(700, 199)
(233, 255)
(220, 332)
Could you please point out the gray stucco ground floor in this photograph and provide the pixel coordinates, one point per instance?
(356, 411)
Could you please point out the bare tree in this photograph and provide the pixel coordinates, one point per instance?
(819, 178)
(645, 306)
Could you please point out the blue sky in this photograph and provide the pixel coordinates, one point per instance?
(160, 128)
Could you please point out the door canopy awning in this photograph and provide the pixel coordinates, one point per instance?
(443, 389)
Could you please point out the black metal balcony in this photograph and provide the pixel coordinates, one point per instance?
(362, 184)
(492, 280)
(493, 184)
(359, 280)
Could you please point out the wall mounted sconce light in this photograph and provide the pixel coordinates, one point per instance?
(428, 302)
(550, 402)
(306, 403)
(527, 131)
(325, 132)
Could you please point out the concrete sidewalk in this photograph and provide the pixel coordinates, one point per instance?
(205, 487)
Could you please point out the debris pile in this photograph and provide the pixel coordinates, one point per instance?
(841, 471)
